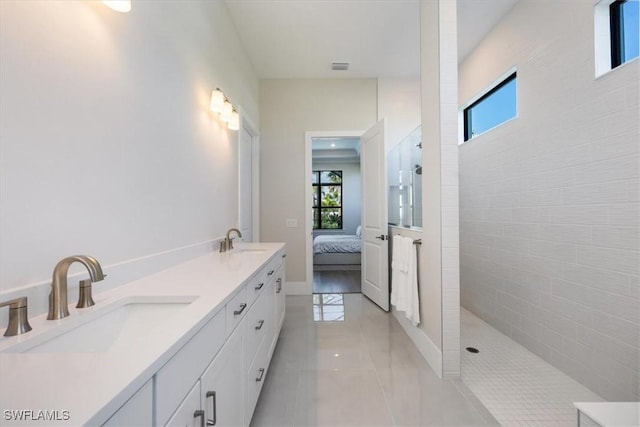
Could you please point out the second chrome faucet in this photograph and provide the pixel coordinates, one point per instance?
(58, 304)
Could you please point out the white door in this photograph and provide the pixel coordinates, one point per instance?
(246, 187)
(375, 244)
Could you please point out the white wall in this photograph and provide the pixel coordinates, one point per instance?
(351, 193)
(549, 201)
(399, 105)
(107, 145)
(288, 109)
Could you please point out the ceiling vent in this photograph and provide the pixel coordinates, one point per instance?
(339, 66)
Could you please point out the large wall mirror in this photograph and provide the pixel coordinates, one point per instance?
(404, 174)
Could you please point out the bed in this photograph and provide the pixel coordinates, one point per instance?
(339, 249)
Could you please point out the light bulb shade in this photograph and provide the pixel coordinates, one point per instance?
(118, 5)
(234, 123)
(227, 109)
(217, 101)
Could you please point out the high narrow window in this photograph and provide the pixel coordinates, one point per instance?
(495, 107)
(327, 199)
(624, 16)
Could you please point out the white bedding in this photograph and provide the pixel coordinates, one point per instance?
(340, 243)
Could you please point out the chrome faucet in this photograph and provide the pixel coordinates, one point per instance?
(58, 304)
(227, 243)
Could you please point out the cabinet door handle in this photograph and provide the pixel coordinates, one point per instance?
(199, 414)
(259, 286)
(270, 273)
(261, 374)
(212, 421)
(284, 255)
(260, 323)
(242, 307)
(279, 287)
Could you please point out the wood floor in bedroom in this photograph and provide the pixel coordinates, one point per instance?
(336, 281)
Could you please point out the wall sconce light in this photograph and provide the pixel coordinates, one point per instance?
(119, 5)
(220, 104)
(234, 123)
(227, 109)
(217, 101)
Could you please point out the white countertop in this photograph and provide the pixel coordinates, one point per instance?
(611, 414)
(92, 386)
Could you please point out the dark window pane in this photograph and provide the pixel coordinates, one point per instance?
(331, 195)
(331, 177)
(331, 218)
(316, 217)
(497, 106)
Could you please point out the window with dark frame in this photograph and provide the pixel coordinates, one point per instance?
(624, 16)
(495, 107)
(327, 199)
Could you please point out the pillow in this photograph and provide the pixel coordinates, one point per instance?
(359, 231)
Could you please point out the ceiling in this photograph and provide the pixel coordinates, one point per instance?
(335, 150)
(379, 38)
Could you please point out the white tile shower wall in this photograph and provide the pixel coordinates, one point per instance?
(549, 213)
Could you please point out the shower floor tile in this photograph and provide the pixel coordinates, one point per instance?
(515, 385)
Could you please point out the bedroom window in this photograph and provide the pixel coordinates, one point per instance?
(327, 200)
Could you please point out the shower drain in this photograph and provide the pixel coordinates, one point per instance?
(472, 350)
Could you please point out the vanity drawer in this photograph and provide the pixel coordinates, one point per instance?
(178, 375)
(256, 376)
(257, 284)
(259, 323)
(236, 309)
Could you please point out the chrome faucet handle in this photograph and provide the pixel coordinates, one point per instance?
(18, 319)
(85, 299)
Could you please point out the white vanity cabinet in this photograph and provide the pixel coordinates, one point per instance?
(227, 390)
(137, 411)
(188, 413)
(222, 388)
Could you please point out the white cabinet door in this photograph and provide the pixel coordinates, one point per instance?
(188, 413)
(222, 385)
(280, 300)
(138, 411)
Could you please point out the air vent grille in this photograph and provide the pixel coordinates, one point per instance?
(339, 66)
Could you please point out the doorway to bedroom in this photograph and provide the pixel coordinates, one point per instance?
(335, 188)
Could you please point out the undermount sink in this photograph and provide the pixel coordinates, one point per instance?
(247, 250)
(114, 327)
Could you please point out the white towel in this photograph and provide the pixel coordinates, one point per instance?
(404, 278)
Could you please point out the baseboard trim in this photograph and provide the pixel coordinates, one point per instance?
(297, 288)
(431, 353)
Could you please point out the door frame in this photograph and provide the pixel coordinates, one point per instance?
(308, 168)
(252, 130)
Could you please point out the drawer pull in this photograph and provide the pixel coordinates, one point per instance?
(199, 414)
(270, 273)
(259, 286)
(242, 307)
(284, 255)
(212, 421)
(279, 287)
(261, 374)
(260, 323)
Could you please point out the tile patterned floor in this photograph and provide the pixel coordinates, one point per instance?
(516, 386)
(359, 369)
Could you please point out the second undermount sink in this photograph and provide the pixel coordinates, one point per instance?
(248, 250)
(114, 327)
